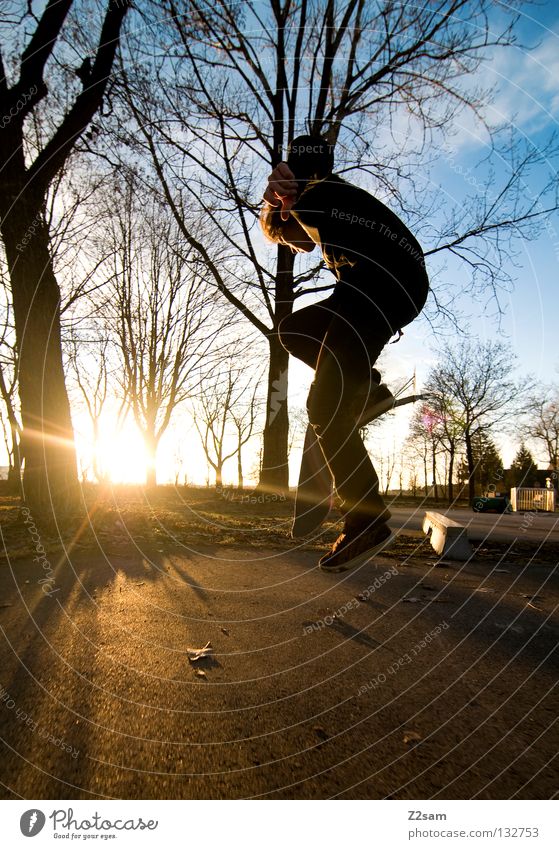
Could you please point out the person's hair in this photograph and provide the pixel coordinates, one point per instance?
(310, 158)
(271, 223)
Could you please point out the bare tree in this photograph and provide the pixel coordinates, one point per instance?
(224, 418)
(8, 392)
(50, 476)
(477, 379)
(412, 480)
(542, 424)
(246, 78)
(163, 316)
(89, 364)
(244, 416)
(388, 466)
(425, 439)
(10, 416)
(443, 424)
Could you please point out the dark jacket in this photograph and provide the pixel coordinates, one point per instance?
(377, 261)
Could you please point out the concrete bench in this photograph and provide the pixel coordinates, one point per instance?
(448, 538)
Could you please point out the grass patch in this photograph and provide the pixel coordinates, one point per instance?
(120, 518)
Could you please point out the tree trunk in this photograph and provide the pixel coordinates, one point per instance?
(240, 480)
(98, 470)
(450, 473)
(14, 471)
(151, 467)
(14, 451)
(434, 470)
(274, 474)
(14, 474)
(50, 479)
(471, 466)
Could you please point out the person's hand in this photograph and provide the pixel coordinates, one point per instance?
(281, 189)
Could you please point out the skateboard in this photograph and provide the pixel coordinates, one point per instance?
(315, 489)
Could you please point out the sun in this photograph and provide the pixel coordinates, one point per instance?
(121, 454)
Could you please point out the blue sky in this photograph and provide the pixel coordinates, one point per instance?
(530, 91)
(526, 97)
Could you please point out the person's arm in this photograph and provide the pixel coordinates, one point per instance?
(281, 189)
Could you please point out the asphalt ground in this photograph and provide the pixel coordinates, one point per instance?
(409, 678)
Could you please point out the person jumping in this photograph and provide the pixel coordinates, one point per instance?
(381, 286)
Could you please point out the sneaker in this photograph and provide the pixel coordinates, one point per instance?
(379, 401)
(355, 548)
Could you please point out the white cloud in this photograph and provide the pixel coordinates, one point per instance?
(527, 85)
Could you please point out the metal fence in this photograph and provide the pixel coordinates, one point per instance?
(524, 499)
